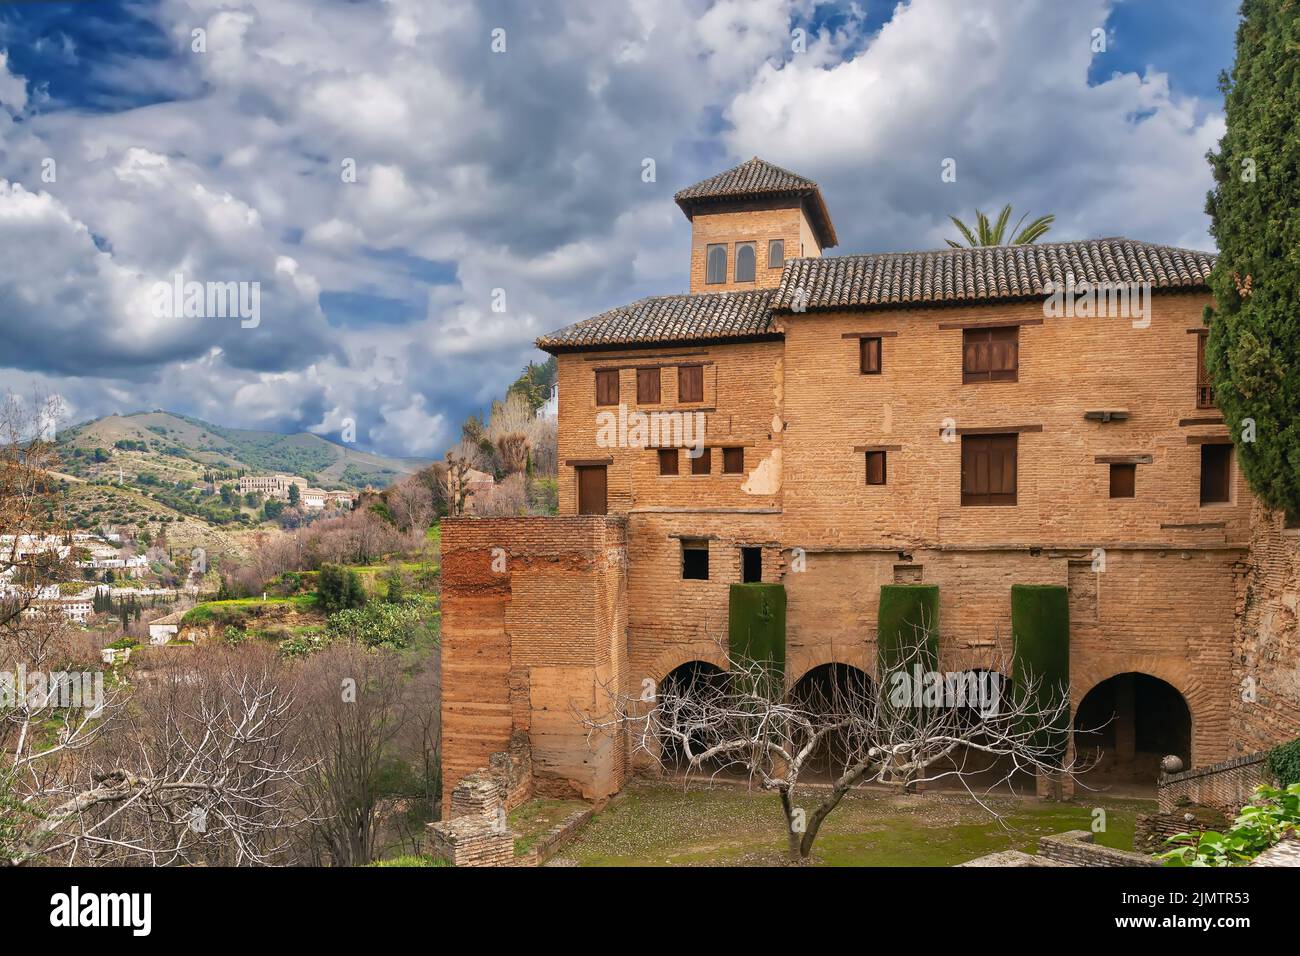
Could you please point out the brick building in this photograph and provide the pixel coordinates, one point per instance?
(862, 420)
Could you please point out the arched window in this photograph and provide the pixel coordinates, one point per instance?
(716, 264)
(746, 262)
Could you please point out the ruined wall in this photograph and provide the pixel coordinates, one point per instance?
(534, 619)
(1266, 665)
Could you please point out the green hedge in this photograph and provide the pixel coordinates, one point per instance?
(756, 627)
(903, 609)
(1040, 632)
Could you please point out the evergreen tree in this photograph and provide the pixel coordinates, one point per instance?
(1253, 352)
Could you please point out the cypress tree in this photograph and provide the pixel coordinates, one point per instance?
(1253, 352)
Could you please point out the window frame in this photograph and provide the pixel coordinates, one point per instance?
(606, 375)
(779, 245)
(990, 334)
(1004, 444)
(881, 456)
(1226, 476)
(681, 380)
(748, 552)
(645, 374)
(708, 263)
(1204, 386)
(695, 546)
(752, 248)
(1127, 484)
(865, 347)
(727, 454)
(665, 455)
(702, 465)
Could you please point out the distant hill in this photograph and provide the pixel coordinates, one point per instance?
(174, 447)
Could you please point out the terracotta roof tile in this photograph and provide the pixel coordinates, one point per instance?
(755, 179)
(665, 319)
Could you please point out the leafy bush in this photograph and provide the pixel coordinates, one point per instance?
(339, 589)
(1266, 821)
(1284, 763)
(303, 644)
(391, 626)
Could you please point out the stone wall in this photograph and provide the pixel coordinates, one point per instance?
(1076, 848)
(1266, 664)
(1226, 786)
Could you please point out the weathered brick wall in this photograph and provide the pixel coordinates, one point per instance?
(534, 621)
(755, 222)
(1076, 848)
(1266, 667)
(1226, 786)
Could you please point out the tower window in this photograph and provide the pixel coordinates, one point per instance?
(746, 262)
(775, 253)
(715, 264)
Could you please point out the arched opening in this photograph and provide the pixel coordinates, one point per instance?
(1126, 724)
(827, 689)
(979, 696)
(678, 696)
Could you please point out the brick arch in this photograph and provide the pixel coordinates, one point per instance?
(669, 660)
(1196, 693)
(802, 660)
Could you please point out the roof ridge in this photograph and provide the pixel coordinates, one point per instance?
(950, 250)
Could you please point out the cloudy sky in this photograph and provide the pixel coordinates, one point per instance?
(133, 150)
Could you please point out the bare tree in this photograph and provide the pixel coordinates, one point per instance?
(921, 726)
(463, 458)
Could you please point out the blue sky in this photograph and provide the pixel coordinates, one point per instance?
(131, 153)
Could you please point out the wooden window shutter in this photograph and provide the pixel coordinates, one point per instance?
(869, 357)
(607, 386)
(875, 467)
(690, 383)
(702, 464)
(668, 461)
(988, 469)
(991, 355)
(733, 461)
(647, 386)
(1123, 480)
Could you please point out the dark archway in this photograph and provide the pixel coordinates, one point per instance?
(1126, 724)
(692, 680)
(823, 689)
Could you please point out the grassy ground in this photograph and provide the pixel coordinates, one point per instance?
(530, 821)
(661, 824)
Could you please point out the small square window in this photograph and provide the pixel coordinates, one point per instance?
(695, 559)
(869, 356)
(607, 387)
(701, 465)
(647, 386)
(990, 355)
(668, 461)
(751, 565)
(733, 461)
(775, 253)
(1123, 481)
(875, 467)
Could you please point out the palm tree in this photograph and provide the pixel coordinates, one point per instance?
(992, 234)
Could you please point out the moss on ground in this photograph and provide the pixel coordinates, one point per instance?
(530, 821)
(660, 824)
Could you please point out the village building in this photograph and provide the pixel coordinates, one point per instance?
(972, 419)
(270, 486)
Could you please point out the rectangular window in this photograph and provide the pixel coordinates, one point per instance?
(715, 264)
(990, 355)
(1123, 481)
(695, 559)
(988, 469)
(647, 386)
(1216, 473)
(733, 461)
(751, 565)
(875, 467)
(700, 465)
(668, 461)
(690, 383)
(607, 387)
(775, 253)
(1204, 390)
(869, 356)
(746, 261)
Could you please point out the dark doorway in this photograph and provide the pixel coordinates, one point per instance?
(1126, 724)
(678, 698)
(751, 565)
(829, 689)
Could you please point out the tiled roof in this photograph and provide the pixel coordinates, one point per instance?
(985, 273)
(758, 178)
(664, 319)
(941, 277)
